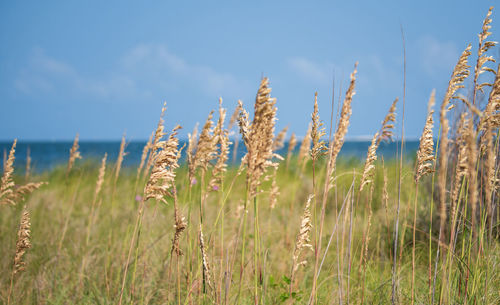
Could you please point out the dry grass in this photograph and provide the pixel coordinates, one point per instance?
(211, 257)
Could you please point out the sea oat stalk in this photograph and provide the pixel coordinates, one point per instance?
(73, 154)
(22, 245)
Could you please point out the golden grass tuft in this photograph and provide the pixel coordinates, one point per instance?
(119, 160)
(144, 154)
(385, 133)
(317, 132)
(73, 154)
(221, 139)
(425, 153)
(23, 242)
(162, 175)
(459, 74)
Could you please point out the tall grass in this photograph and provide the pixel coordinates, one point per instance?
(378, 230)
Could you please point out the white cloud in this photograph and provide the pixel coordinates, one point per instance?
(310, 70)
(437, 56)
(158, 59)
(139, 72)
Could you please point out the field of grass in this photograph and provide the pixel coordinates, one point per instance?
(305, 228)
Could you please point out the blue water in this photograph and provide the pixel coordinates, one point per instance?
(47, 155)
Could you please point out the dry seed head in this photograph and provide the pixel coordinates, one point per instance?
(162, 176)
(158, 135)
(279, 140)
(305, 146)
(303, 238)
(261, 135)
(471, 167)
(244, 123)
(145, 151)
(206, 147)
(23, 242)
(317, 132)
(461, 168)
(491, 115)
(291, 146)
(343, 124)
(371, 157)
(425, 153)
(386, 133)
(27, 189)
(491, 121)
(100, 178)
(385, 193)
(8, 193)
(222, 141)
(7, 184)
(121, 154)
(275, 190)
(204, 258)
(234, 116)
(459, 74)
(191, 151)
(179, 226)
(484, 46)
(73, 153)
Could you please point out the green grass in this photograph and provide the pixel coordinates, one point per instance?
(69, 271)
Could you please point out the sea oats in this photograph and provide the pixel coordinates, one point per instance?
(461, 169)
(23, 242)
(260, 136)
(144, 154)
(179, 226)
(471, 167)
(482, 58)
(206, 146)
(73, 154)
(491, 115)
(345, 115)
(459, 74)
(333, 151)
(9, 192)
(244, 123)
(100, 178)
(234, 116)
(425, 153)
(275, 190)
(279, 140)
(221, 139)
(490, 121)
(191, 151)
(305, 146)
(162, 176)
(291, 146)
(303, 238)
(317, 132)
(385, 193)
(371, 157)
(7, 184)
(207, 279)
(156, 145)
(119, 160)
(385, 133)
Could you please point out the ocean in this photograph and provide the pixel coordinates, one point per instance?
(48, 154)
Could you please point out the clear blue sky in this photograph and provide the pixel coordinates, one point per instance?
(103, 67)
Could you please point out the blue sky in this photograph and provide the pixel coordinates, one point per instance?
(104, 67)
